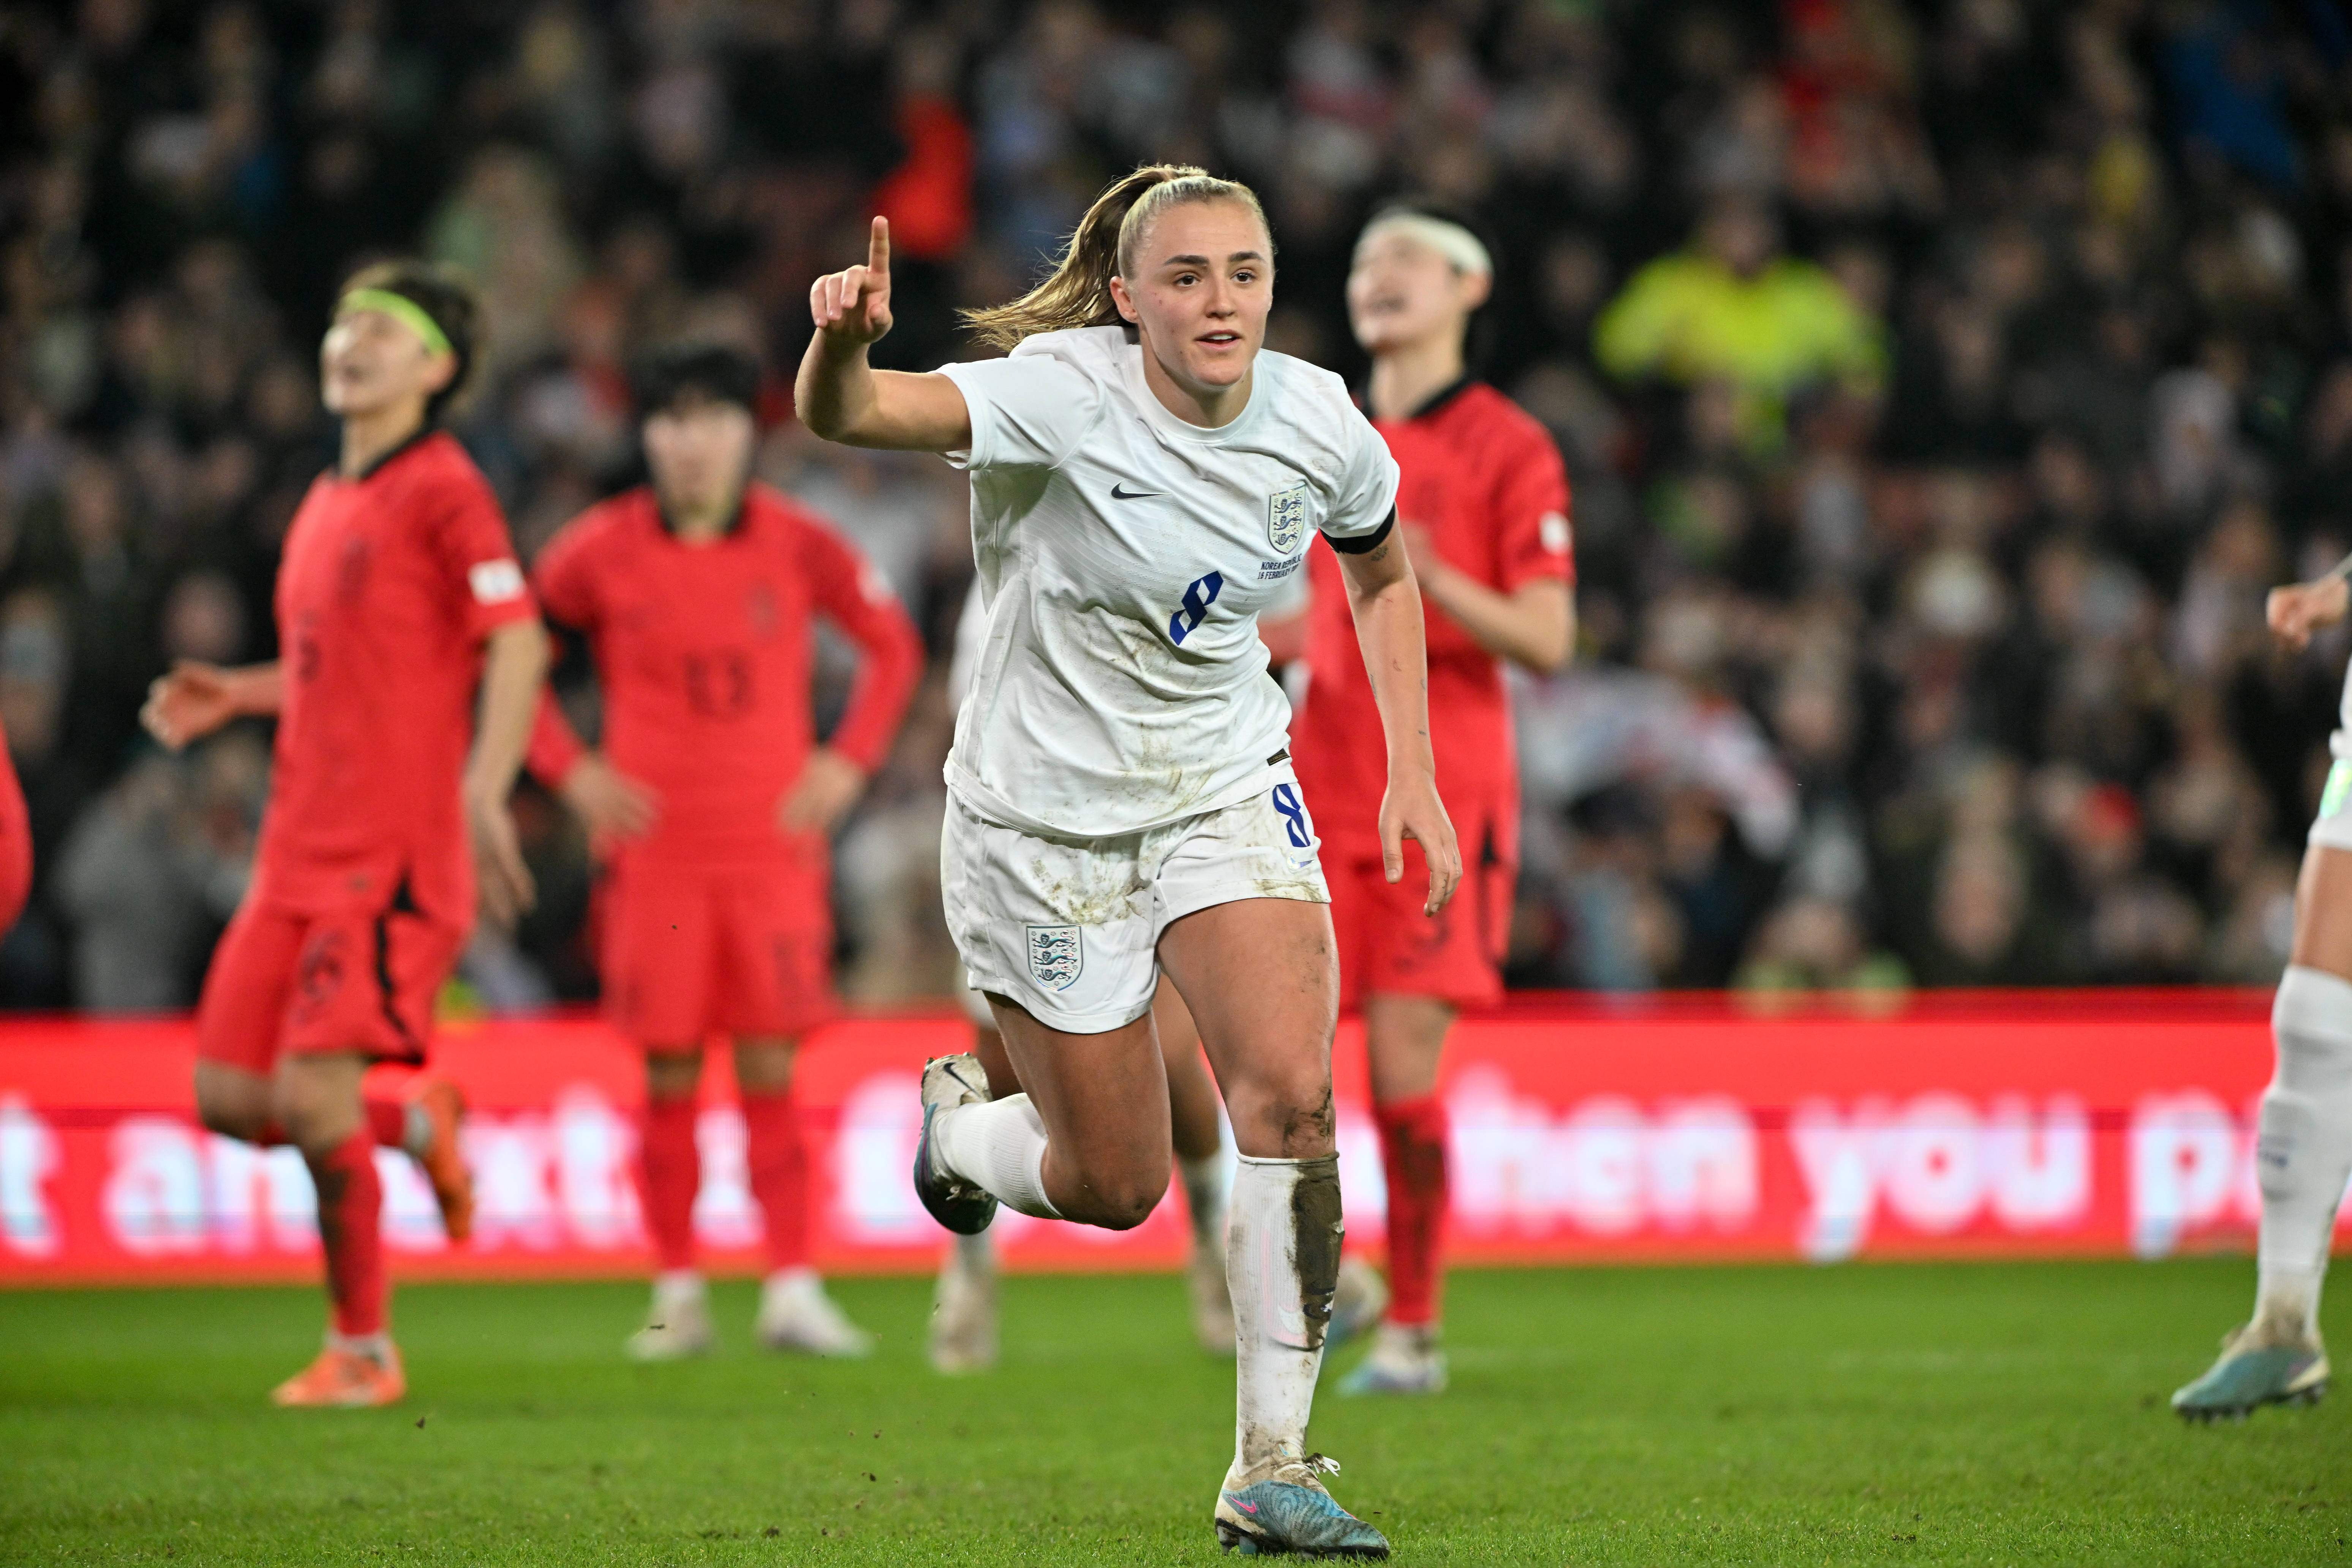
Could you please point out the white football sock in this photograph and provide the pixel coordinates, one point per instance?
(2302, 1154)
(976, 1254)
(1204, 1198)
(1282, 1255)
(999, 1145)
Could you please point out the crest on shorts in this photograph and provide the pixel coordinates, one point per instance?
(1286, 518)
(1055, 956)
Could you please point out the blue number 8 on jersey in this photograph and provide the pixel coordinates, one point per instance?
(1199, 595)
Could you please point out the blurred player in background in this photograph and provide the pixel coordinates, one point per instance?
(699, 595)
(1144, 480)
(963, 1319)
(15, 842)
(2302, 1147)
(398, 597)
(1483, 506)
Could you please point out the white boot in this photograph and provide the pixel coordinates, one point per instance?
(678, 1324)
(964, 1307)
(795, 1314)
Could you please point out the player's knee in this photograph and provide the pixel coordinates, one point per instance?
(232, 1103)
(1123, 1206)
(673, 1074)
(231, 1118)
(310, 1117)
(1291, 1113)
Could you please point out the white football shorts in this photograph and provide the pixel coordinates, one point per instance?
(1069, 928)
(975, 1006)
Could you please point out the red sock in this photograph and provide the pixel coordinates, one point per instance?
(387, 1121)
(1412, 1152)
(350, 1219)
(779, 1175)
(669, 1172)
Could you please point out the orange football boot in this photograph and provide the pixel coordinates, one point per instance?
(445, 1165)
(344, 1380)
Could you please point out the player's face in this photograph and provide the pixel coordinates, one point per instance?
(1403, 291)
(1204, 285)
(371, 362)
(700, 451)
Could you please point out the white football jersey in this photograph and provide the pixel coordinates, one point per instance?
(1124, 556)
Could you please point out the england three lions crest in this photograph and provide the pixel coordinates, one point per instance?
(1286, 519)
(1055, 956)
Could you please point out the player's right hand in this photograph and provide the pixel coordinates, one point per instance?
(1409, 808)
(2300, 609)
(188, 704)
(504, 880)
(609, 801)
(852, 307)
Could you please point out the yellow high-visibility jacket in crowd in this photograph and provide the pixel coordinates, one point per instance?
(1689, 319)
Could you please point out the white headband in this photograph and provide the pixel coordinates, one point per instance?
(1451, 240)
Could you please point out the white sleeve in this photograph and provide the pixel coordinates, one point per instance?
(1027, 412)
(1367, 489)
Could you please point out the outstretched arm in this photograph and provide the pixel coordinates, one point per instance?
(2298, 610)
(1386, 602)
(842, 398)
(196, 699)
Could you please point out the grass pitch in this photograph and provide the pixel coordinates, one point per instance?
(1908, 1414)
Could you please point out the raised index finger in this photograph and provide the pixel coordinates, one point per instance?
(877, 249)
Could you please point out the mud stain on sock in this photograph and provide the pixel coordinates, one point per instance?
(1315, 1229)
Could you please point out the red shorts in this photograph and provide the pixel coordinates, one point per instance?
(693, 951)
(1389, 947)
(360, 979)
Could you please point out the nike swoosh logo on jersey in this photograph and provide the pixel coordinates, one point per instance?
(1119, 494)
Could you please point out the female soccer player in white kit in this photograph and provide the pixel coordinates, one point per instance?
(2303, 1145)
(1143, 481)
(963, 1306)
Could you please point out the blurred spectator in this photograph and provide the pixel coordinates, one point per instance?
(1734, 309)
(153, 870)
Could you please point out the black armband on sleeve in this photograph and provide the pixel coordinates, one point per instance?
(1362, 544)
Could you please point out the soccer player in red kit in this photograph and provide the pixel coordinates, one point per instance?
(15, 843)
(1484, 509)
(699, 595)
(399, 599)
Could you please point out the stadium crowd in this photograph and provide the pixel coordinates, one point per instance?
(1942, 384)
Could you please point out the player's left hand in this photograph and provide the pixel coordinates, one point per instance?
(1410, 809)
(507, 891)
(828, 787)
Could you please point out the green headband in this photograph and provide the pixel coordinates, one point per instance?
(401, 309)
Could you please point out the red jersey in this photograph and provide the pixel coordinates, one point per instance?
(15, 843)
(389, 583)
(1484, 478)
(705, 654)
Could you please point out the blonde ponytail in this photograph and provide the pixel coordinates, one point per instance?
(1103, 247)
